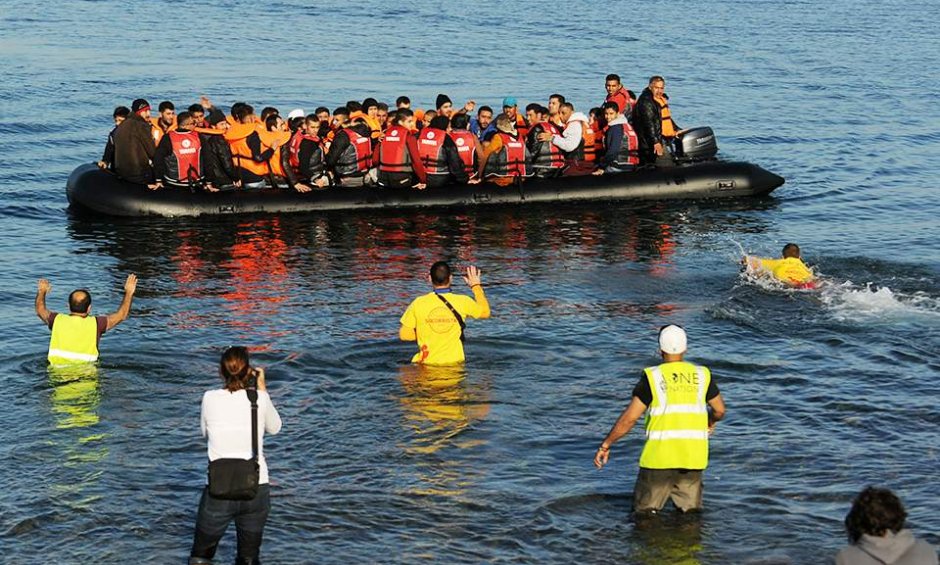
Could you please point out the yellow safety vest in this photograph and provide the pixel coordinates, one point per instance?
(74, 340)
(677, 419)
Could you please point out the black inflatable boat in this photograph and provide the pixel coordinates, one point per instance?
(103, 192)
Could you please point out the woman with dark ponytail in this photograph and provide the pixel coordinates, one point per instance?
(227, 425)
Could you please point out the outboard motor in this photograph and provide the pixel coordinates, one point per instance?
(696, 144)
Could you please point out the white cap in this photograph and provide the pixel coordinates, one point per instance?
(672, 340)
(296, 113)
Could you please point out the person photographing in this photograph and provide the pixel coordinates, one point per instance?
(238, 486)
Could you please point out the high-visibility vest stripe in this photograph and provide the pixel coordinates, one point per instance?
(71, 355)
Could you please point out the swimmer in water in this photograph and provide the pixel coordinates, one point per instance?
(789, 270)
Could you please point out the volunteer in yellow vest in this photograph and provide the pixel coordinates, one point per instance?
(436, 320)
(789, 270)
(682, 405)
(75, 336)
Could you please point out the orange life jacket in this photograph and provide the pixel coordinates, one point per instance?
(431, 150)
(237, 137)
(669, 130)
(466, 148)
(394, 156)
(585, 150)
(157, 131)
(268, 139)
(521, 126)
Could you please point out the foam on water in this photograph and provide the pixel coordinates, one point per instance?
(872, 303)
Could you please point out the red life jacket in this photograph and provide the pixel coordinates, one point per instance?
(357, 158)
(510, 161)
(393, 151)
(549, 156)
(466, 148)
(431, 149)
(629, 153)
(184, 167)
(293, 152)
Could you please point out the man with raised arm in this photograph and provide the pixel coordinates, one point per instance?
(436, 320)
(682, 405)
(75, 335)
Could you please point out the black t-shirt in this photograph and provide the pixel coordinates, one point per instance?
(645, 394)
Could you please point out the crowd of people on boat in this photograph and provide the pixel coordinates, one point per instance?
(368, 143)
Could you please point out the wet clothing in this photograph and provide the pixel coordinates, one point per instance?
(75, 339)
(438, 331)
(133, 150)
(217, 167)
(899, 548)
(790, 270)
(654, 487)
(213, 518)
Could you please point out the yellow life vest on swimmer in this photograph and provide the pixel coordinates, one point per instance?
(677, 419)
(74, 340)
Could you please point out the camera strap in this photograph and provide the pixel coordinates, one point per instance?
(253, 398)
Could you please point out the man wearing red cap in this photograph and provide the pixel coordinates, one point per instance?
(682, 404)
(133, 145)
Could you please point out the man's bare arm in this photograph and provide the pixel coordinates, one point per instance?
(41, 309)
(130, 286)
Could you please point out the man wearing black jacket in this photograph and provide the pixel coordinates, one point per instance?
(217, 167)
(107, 159)
(134, 146)
(303, 160)
(341, 159)
(652, 119)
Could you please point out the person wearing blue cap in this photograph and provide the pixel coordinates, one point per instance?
(511, 109)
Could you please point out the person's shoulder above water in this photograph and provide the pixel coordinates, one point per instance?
(900, 548)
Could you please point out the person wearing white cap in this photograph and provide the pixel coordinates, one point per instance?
(682, 404)
(295, 113)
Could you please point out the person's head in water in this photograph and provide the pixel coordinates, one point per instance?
(440, 274)
(80, 301)
(791, 250)
(235, 369)
(672, 342)
(875, 512)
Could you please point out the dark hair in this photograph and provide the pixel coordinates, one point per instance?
(597, 112)
(401, 114)
(242, 111)
(193, 108)
(484, 109)
(568, 105)
(121, 112)
(612, 77)
(656, 78)
(295, 123)
(312, 118)
(353, 106)
(236, 107)
(440, 122)
(267, 112)
(271, 122)
(440, 273)
(874, 512)
(611, 106)
(460, 121)
(402, 100)
(165, 105)
(342, 110)
(559, 97)
(234, 368)
(535, 107)
(322, 109)
(369, 103)
(382, 106)
(80, 301)
(182, 117)
(791, 250)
